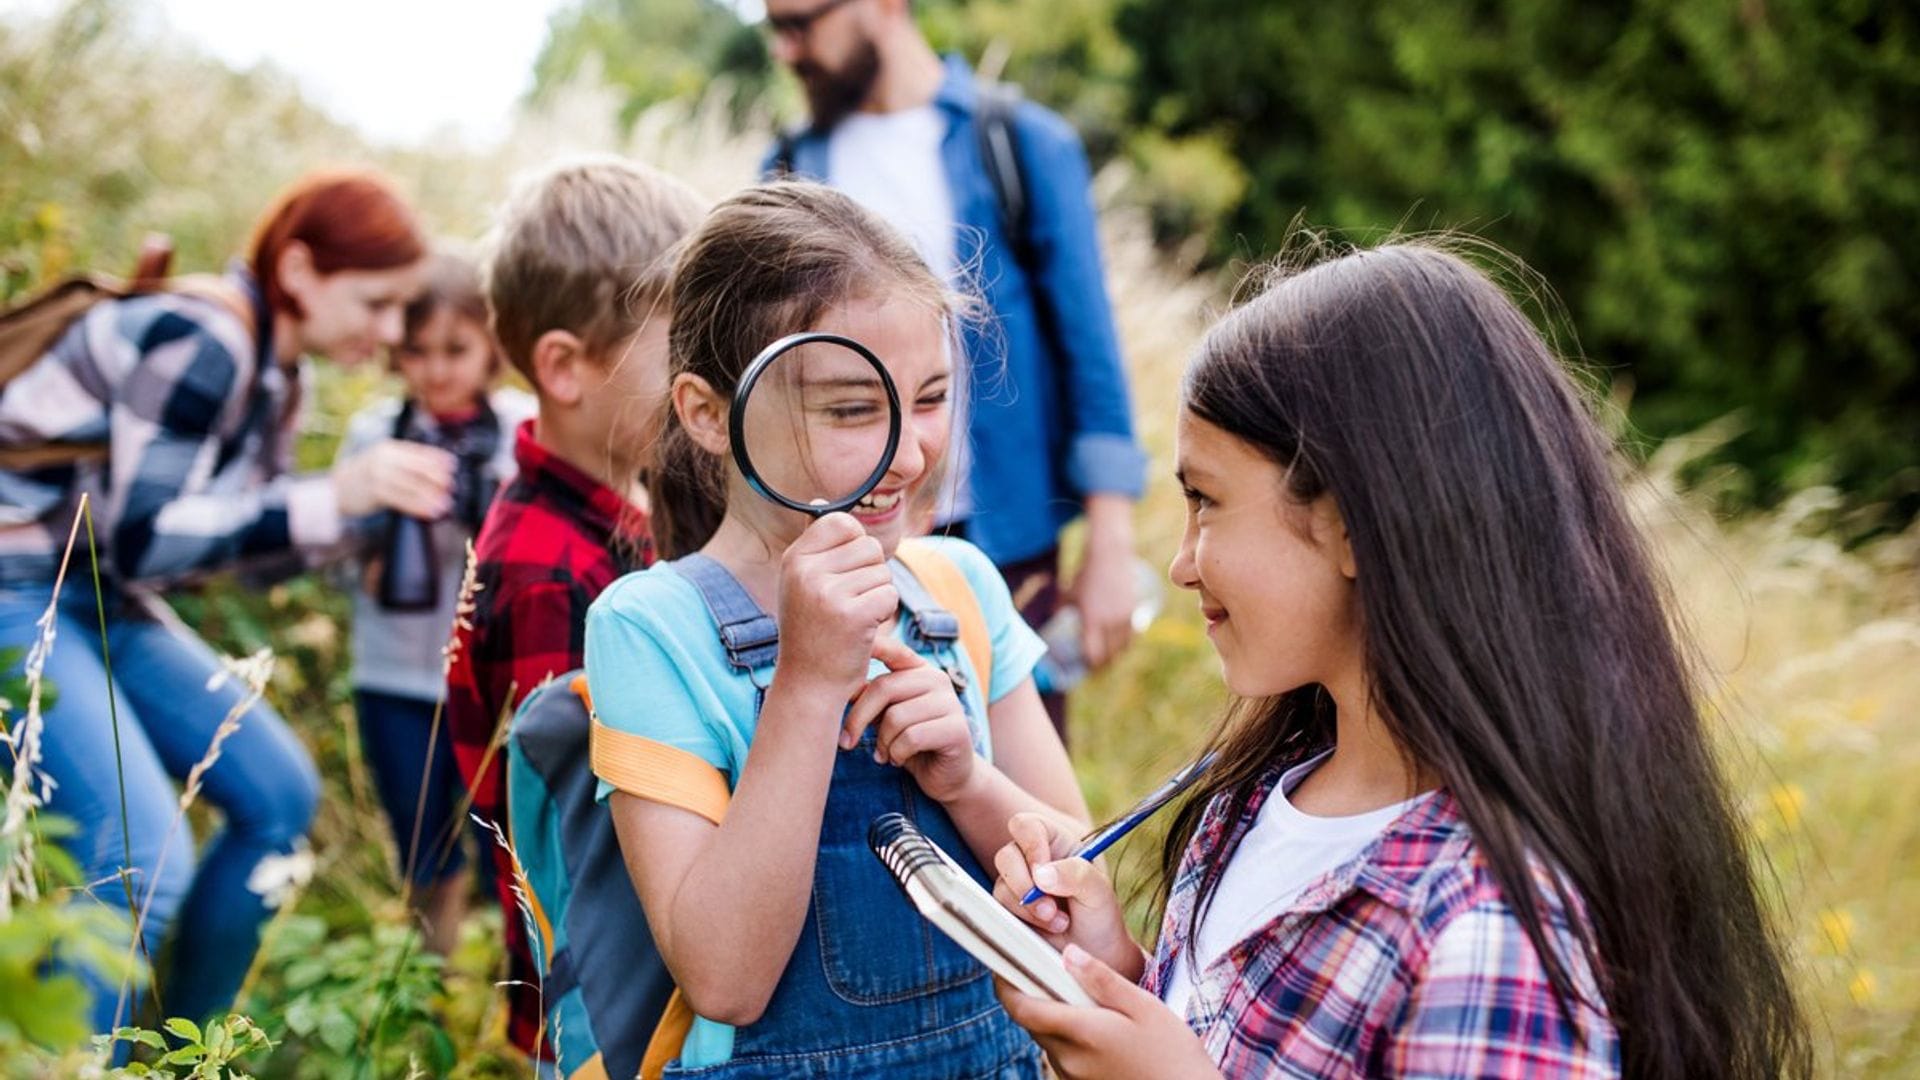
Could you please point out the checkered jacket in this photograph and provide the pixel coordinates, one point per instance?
(1407, 961)
(199, 422)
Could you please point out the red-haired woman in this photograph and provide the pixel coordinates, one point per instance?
(196, 401)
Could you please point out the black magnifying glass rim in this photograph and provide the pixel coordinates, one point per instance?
(737, 421)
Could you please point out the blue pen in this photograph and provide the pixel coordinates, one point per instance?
(1142, 810)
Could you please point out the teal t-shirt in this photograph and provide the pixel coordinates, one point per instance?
(656, 669)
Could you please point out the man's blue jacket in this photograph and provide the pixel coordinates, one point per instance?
(1050, 416)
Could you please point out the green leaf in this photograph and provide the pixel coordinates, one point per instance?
(142, 1036)
(338, 1030)
(302, 1017)
(186, 1055)
(185, 1028)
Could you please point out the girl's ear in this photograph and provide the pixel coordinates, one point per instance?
(1329, 531)
(702, 411)
(558, 357)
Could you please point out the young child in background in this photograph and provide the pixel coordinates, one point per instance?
(409, 574)
(742, 788)
(577, 281)
(1466, 820)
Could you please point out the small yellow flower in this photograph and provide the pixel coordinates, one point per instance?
(1863, 987)
(1836, 927)
(1789, 801)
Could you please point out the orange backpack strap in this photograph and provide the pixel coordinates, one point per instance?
(949, 588)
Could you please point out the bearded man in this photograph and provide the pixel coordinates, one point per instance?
(1049, 428)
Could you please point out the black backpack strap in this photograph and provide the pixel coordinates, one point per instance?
(1000, 153)
(784, 149)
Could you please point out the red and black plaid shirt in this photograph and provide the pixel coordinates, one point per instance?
(554, 538)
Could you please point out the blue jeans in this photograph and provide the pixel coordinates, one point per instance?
(396, 733)
(264, 784)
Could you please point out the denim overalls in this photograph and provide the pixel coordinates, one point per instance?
(872, 989)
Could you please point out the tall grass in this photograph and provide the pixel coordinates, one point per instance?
(1812, 650)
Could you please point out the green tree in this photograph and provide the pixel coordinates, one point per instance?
(1726, 195)
(654, 50)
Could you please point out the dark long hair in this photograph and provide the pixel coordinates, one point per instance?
(1516, 638)
(767, 262)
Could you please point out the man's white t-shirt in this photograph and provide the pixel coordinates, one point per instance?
(890, 163)
(1285, 851)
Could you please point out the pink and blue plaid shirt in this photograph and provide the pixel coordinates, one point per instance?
(1406, 962)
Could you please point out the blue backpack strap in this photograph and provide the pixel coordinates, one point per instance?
(750, 635)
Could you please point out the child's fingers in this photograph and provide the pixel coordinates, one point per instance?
(831, 531)
(1015, 881)
(913, 727)
(1077, 879)
(872, 700)
(1034, 835)
(858, 581)
(897, 654)
(1107, 987)
(1048, 1021)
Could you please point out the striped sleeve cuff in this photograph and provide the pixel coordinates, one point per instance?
(313, 512)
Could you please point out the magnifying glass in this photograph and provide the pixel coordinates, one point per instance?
(815, 423)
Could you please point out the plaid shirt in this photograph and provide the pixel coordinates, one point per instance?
(554, 538)
(199, 422)
(1406, 961)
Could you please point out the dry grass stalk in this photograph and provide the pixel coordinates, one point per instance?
(30, 788)
(522, 899)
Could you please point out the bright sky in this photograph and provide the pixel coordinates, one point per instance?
(399, 70)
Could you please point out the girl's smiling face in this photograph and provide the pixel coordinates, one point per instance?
(816, 423)
(1275, 577)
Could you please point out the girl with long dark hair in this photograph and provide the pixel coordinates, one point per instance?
(1466, 819)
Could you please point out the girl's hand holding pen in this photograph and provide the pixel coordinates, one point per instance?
(1080, 906)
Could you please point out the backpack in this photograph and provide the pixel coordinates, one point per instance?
(999, 151)
(30, 329)
(609, 998)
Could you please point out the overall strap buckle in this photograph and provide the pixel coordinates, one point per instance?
(751, 637)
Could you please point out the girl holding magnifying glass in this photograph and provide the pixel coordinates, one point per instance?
(783, 681)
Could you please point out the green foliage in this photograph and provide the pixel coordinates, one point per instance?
(350, 1003)
(204, 1054)
(652, 51)
(1726, 195)
(47, 1010)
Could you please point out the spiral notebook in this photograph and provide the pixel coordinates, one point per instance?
(942, 892)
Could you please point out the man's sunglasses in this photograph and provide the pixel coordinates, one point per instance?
(797, 26)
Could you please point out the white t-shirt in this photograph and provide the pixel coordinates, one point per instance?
(1285, 851)
(890, 163)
